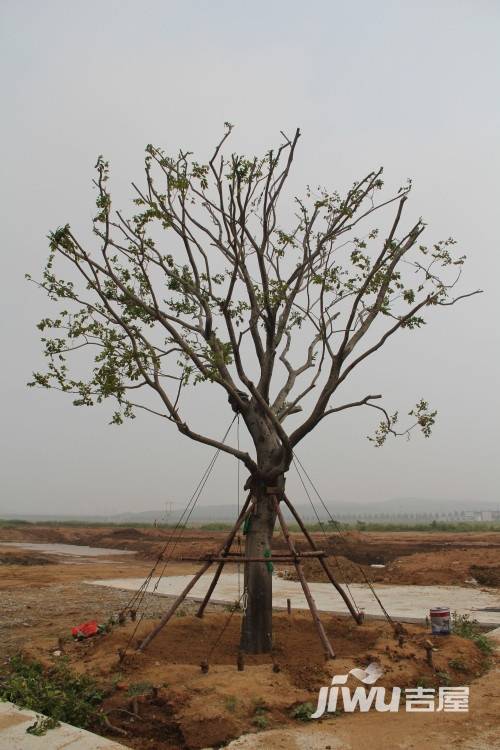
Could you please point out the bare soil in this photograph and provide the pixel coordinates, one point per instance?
(409, 557)
(163, 693)
(162, 700)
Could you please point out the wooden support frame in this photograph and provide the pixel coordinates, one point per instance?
(327, 646)
(235, 557)
(224, 556)
(358, 616)
(223, 553)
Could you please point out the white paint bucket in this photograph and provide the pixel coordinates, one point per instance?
(440, 620)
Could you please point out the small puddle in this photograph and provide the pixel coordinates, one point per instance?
(76, 550)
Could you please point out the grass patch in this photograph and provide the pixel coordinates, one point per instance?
(326, 525)
(41, 725)
(467, 627)
(458, 665)
(139, 688)
(423, 682)
(77, 523)
(260, 721)
(58, 693)
(444, 678)
(260, 706)
(230, 703)
(303, 712)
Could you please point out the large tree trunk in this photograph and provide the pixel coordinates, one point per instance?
(257, 629)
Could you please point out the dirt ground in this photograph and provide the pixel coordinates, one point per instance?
(409, 557)
(163, 693)
(163, 701)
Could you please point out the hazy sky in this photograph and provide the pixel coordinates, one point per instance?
(413, 86)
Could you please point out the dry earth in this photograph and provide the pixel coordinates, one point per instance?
(410, 557)
(43, 596)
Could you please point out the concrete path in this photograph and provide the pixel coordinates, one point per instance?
(57, 548)
(406, 603)
(14, 722)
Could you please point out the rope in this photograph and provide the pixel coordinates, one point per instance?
(243, 597)
(139, 594)
(180, 527)
(337, 561)
(346, 542)
(142, 590)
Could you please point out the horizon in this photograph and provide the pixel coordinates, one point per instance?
(440, 506)
(348, 76)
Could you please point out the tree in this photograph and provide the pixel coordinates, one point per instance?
(210, 282)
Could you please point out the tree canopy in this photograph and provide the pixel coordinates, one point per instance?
(219, 277)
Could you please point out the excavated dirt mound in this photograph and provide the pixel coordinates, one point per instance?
(457, 566)
(344, 570)
(424, 559)
(7, 558)
(486, 575)
(162, 699)
(409, 557)
(128, 533)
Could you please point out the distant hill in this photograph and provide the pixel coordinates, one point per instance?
(396, 508)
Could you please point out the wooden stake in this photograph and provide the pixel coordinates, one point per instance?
(356, 615)
(240, 661)
(428, 650)
(289, 606)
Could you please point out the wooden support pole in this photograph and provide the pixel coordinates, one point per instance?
(213, 584)
(358, 617)
(223, 552)
(329, 652)
(276, 556)
(166, 617)
(240, 559)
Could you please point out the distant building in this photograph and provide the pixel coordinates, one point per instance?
(481, 515)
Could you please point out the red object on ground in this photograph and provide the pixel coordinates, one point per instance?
(85, 630)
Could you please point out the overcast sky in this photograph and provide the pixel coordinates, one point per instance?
(409, 85)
